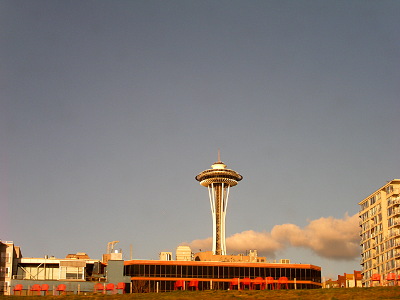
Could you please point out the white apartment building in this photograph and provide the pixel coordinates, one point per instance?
(380, 233)
(9, 253)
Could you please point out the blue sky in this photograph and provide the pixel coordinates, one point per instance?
(108, 109)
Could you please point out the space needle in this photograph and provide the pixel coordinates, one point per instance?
(218, 180)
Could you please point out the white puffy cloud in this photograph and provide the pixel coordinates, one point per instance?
(331, 238)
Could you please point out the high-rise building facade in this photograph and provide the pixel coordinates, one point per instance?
(380, 234)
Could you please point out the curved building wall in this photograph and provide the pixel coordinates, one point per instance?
(216, 275)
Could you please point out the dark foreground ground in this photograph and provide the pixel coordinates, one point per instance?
(331, 294)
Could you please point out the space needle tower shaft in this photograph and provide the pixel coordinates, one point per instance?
(218, 180)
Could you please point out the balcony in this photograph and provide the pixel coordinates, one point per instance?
(395, 224)
(396, 233)
(392, 192)
(395, 212)
(362, 241)
(394, 202)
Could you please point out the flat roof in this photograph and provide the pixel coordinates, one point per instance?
(40, 260)
(382, 187)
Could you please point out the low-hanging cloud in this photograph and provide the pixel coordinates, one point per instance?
(331, 238)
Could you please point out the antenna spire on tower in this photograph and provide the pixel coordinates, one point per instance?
(219, 155)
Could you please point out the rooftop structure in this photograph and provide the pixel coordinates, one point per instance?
(165, 255)
(218, 180)
(209, 256)
(184, 253)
